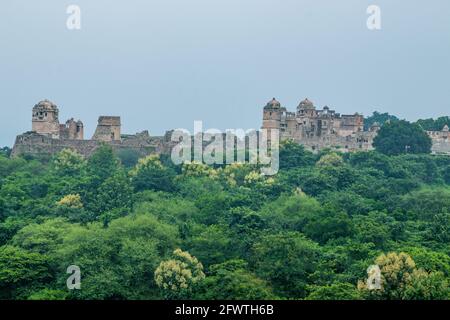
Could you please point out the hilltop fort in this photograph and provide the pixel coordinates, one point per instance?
(325, 128)
(314, 128)
(49, 136)
(318, 129)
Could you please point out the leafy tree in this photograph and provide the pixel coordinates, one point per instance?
(198, 169)
(236, 174)
(329, 225)
(309, 232)
(71, 207)
(102, 164)
(213, 245)
(5, 151)
(291, 212)
(166, 207)
(372, 160)
(129, 158)
(396, 272)
(434, 125)
(48, 294)
(286, 260)
(425, 203)
(446, 174)
(374, 228)
(430, 260)
(245, 227)
(213, 207)
(232, 281)
(150, 174)
(115, 192)
(380, 118)
(10, 226)
(427, 286)
(401, 280)
(9, 166)
(126, 252)
(44, 238)
(335, 291)
(402, 137)
(315, 183)
(330, 160)
(71, 201)
(195, 187)
(178, 276)
(69, 162)
(348, 201)
(293, 155)
(439, 229)
(20, 271)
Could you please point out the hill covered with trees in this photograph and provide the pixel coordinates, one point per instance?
(152, 230)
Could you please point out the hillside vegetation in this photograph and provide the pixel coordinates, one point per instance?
(152, 230)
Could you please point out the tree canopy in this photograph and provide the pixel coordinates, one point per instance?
(402, 137)
(147, 229)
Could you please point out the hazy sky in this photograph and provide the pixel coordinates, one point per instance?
(161, 64)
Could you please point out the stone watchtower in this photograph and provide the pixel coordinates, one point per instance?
(108, 129)
(272, 115)
(72, 130)
(45, 119)
(306, 108)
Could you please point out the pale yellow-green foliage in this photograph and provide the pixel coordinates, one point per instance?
(253, 178)
(244, 174)
(330, 160)
(396, 270)
(180, 273)
(234, 168)
(71, 201)
(427, 286)
(198, 169)
(151, 161)
(396, 267)
(68, 161)
(256, 178)
(233, 173)
(400, 279)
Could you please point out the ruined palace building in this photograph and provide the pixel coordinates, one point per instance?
(314, 128)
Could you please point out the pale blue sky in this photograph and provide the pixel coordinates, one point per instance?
(161, 64)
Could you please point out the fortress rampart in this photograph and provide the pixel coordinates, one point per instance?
(313, 128)
(48, 136)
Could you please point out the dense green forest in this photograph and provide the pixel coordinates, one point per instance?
(150, 230)
(425, 124)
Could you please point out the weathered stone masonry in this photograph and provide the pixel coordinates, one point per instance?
(318, 129)
(313, 128)
(48, 136)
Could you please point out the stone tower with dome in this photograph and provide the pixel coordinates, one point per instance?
(272, 115)
(45, 119)
(49, 136)
(314, 128)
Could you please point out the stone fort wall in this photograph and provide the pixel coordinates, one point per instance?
(35, 144)
(315, 129)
